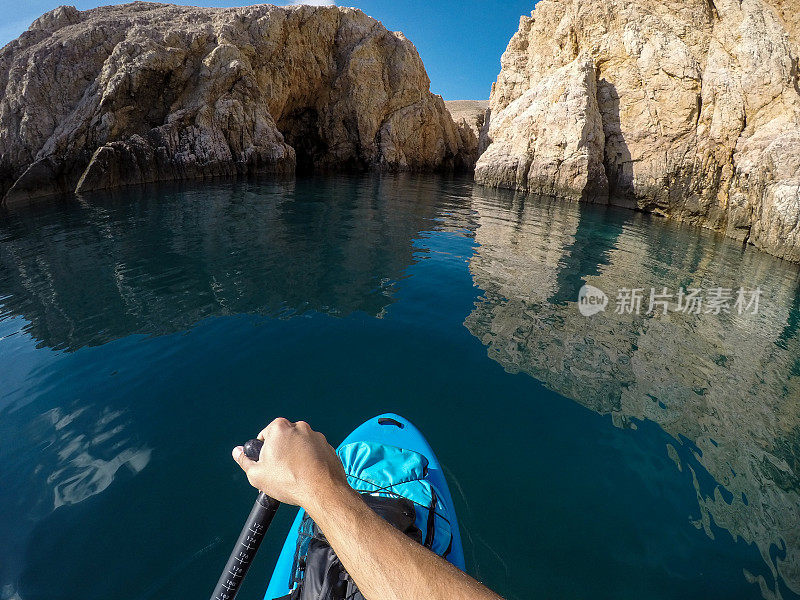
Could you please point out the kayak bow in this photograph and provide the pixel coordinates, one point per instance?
(394, 433)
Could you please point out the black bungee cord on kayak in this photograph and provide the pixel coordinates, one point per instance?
(249, 540)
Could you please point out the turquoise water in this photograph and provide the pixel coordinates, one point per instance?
(143, 333)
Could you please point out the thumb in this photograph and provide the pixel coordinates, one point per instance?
(240, 457)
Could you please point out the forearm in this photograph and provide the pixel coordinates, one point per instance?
(385, 563)
(298, 466)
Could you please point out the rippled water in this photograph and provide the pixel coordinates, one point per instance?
(144, 332)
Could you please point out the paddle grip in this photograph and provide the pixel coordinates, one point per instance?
(252, 449)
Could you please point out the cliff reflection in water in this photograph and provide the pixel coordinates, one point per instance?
(158, 261)
(726, 388)
(152, 262)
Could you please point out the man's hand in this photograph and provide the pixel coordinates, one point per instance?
(296, 465)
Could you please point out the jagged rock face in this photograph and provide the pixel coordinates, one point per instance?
(469, 116)
(698, 100)
(146, 92)
(552, 138)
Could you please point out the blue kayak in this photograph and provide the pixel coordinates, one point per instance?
(386, 456)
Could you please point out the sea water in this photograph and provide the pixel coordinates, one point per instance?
(643, 451)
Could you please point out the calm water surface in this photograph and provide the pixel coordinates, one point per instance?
(144, 333)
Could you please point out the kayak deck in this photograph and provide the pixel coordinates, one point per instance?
(390, 430)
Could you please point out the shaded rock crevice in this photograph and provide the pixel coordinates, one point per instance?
(300, 130)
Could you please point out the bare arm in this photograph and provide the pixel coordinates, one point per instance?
(385, 563)
(298, 466)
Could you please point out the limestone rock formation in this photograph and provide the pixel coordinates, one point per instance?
(698, 102)
(147, 92)
(552, 140)
(472, 112)
(469, 116)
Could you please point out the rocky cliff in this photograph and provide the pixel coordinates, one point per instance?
(146, 92)
(469, 116)
(685, 108)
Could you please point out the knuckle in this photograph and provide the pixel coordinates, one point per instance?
(274, 426)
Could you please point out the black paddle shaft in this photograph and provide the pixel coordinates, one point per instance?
(249, 540)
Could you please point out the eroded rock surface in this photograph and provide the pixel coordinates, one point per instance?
(698, 101)
(469, 116)
(147, 92)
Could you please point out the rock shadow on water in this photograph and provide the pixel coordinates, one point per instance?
(595, 238)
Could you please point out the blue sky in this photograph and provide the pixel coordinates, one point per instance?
(460, 40)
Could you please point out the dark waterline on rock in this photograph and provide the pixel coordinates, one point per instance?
(146, 331)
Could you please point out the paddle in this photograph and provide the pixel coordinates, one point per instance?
(249, 540)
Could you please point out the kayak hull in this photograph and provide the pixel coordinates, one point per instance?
(390, 430)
